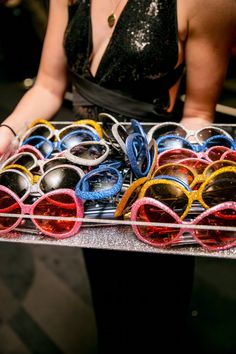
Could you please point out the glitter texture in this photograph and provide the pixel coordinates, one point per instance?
(142, 49)
(113, 238)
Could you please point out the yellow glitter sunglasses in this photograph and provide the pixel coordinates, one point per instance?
(190, 175)
(218, 188)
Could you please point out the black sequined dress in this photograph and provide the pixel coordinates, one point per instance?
(138, 63)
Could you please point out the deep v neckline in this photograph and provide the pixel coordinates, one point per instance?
(109, 44)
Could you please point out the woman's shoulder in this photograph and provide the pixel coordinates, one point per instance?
(209, 14)
(216, 9)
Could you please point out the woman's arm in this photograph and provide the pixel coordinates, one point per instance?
(44, 99)
(211, 29)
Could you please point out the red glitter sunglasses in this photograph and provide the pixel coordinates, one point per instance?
(217, 229)
(54, 213)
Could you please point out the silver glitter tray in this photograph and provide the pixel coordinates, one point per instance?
(112, 238)
(114, 235)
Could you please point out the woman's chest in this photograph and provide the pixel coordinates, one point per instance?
(144, 31)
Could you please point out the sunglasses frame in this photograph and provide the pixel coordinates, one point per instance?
(155, 203)
(206, 155)
(34, 181)
(192, 195)
(193, 146)
(132, 154)
(88, 162)
(58, 145)
(13, 160)
(29, 209)
(54, 132)
(197, 178)
(188, 133)
(230, 154)
(83, 193)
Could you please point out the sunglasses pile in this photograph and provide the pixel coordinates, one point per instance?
(166, 181)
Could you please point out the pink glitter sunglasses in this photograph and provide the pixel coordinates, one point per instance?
(54, 213)
(212, 236)
(176, 155)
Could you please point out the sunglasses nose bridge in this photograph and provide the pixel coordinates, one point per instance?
(56, 135)
(35, 178)
(26, 209)
(195, 195)
(198, 179)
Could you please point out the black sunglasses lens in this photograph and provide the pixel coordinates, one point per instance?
(88, 152)
(169, 194)
(55, 162)
(40, 130)
(15, 182)
(101, 181)
(207, 133)
(75, 138)
(220, 189)
(219, 141)
(24, 159)
(44, 146)
(61, 177)
(169, 130)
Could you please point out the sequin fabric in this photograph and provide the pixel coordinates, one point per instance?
(141, 51)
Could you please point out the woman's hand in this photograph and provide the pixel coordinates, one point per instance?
(8, 142)
(195, 123)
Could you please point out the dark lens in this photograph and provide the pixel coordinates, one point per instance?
(15, 182)
(43, 145)
(127, 200)
(60, 177)
(101, 181)
(60, 205)
(24, 159)
(41, 130)
(55, 162)
(170, 129)
(207, 133)
(76, 137)
(8, 205)
(179, 171)
(88, 152)
(219, 140)
(169, 194)
(157, 236)
(153, 156)
(216, 152)
(218, 238)
(217, 165)
(220, 189)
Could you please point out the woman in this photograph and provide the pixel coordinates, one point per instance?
(133, 51)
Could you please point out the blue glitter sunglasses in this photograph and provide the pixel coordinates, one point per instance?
(47, 147)
(100, 183)
(168, 142)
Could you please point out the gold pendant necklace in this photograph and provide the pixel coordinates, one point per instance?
(111, 19)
